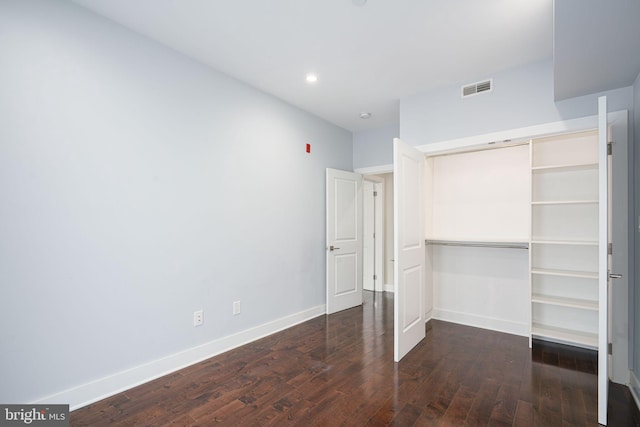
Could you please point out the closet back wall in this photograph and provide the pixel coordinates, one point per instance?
(480, 196)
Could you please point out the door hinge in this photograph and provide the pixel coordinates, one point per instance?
(610, 348)
(375, 277)
(610, 249)
(375, 194)
(610, 148)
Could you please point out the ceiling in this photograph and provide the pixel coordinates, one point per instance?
(366, 57)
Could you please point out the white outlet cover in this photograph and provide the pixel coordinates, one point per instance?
(198, 318)
(236, 308)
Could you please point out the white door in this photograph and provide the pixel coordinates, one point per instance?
(344, 240)
(603, 261)
(409, 250)
(368, 236)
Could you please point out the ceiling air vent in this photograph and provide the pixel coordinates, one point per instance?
(477, 88)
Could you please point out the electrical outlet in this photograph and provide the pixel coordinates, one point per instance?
(198, 318)
(236, 308)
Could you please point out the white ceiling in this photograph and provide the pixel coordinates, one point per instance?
(366, 57)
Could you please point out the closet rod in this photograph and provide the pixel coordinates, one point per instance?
(506, 245)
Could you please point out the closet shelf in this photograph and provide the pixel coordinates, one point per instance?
(479, 244)
(565, 242)
(565, 167)
(565, 273)
(565, 335)
(566, 202)
(565, 302)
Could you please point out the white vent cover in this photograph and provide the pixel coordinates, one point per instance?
(477, 88)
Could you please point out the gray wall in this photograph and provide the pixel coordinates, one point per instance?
(137, 186)
(521, 97)
(374, 147)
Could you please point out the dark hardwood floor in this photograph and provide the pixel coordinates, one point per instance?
(339, 370)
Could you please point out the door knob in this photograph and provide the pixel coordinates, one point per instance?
(332, 248)
(615, 276)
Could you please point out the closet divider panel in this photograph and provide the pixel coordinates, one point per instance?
(428, 229)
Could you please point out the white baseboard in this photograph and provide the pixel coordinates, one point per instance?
(499, 325)
(102, 388)
(634, 386)
(389, 287)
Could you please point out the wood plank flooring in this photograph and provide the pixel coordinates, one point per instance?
(339, 370)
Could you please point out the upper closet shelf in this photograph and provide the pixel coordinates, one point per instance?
(480, 244)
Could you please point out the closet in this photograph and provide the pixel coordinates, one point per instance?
(477, 235)
(515, 235)
(512, 238)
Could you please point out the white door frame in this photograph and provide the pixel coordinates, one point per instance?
(619, 296)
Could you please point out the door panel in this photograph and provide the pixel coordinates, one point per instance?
(409, 268)
(412, 282)
(344, 240)
(346, 273)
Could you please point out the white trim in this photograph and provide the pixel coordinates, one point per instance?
(510, 136)
(428, 316)
(102, 388)
(504, 137)
(491, 323)
(389, 287)
(375, 170)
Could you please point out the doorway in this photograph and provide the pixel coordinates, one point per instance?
(373, 233)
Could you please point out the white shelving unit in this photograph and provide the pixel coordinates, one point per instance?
(564, 239)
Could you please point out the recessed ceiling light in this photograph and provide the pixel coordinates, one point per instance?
(359, 2)
(311, 78)
(365, 115)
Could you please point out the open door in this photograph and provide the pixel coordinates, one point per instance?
(373, 233)
(603, 262)
(409, 250)
(368, 238)
(344, 240)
